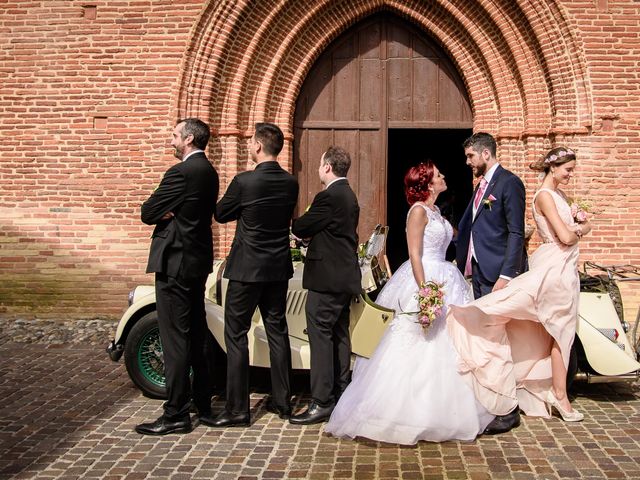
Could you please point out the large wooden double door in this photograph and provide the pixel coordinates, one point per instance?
(382, 74)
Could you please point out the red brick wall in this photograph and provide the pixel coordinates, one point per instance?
(89, 96)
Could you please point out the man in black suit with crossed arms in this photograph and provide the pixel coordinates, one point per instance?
(332, 276)
(181, 257)
(258, 268)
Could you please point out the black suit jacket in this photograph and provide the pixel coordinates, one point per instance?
(331, 263)
(498, 229)
(262, 201)
(182, 246)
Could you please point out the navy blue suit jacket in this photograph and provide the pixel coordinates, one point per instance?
(498, 229)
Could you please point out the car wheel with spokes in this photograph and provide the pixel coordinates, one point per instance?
(143, 357)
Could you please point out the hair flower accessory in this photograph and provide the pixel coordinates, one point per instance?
(559, 154)
(430, 298)
(488, 202)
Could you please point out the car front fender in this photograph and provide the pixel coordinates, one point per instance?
(143, 297)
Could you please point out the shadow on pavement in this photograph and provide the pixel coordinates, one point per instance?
(51, 396)
(55, 397)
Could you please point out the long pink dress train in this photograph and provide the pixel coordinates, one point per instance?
(504, 339)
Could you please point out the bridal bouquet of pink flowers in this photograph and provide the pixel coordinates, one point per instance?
(430, 298)
(580, 210)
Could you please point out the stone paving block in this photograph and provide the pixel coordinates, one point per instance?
(77, 422)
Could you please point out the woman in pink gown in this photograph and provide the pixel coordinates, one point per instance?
(514, 344)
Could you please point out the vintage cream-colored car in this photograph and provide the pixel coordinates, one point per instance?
(137, 334)
(606, 348)
(602, 351)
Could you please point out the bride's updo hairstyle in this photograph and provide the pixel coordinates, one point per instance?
(416, 182)
(556, 156)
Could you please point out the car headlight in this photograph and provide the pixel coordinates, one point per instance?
(131, 295)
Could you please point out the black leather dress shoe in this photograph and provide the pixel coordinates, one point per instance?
(206, 419)
(163, 426)
(282, 412)
(227, 419)
(503, 423)
(314, 414)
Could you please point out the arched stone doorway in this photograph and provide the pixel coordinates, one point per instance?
(389, 95)
(522, 63)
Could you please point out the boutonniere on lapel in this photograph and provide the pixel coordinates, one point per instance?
(488, 202)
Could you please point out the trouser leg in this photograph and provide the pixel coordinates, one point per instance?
(273, 304)
(481, 286)
(240, 304)
(323, 311)
(202, 351)
(174, 309)
(342, 350)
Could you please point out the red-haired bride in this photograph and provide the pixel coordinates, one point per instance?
(410, 390)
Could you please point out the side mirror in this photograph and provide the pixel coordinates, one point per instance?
(372, 275)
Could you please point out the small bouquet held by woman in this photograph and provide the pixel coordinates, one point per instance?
(430, 298)
(581, 210)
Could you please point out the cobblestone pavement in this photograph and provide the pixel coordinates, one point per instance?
(68, 412)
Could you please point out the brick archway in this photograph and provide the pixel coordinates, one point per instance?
(523, 69)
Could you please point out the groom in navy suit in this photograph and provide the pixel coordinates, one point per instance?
(490, 245)
(491, 234)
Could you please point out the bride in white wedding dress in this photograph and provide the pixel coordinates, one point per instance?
(410, 389)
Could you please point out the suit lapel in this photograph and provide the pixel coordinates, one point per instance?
(494, 180)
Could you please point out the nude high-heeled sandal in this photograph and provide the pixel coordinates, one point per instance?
(574, 416)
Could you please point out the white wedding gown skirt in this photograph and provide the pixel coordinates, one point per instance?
(410, 389)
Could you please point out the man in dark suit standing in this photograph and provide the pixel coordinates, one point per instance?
(258, 268)
(490, 245)
(491, 234)
(181, 257)
(332, 276)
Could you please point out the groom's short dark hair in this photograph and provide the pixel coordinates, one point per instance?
(479, 141)
(339, 160)
(271, 138)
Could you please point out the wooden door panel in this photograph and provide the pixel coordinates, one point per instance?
(398, 41)
(369, 166)
(453, 102)
(346, 48)
(425, 96)
(424, 49)
(370, 41)
(319, 100)
(300, 170)
(370, 82)
(399, 101)
(345, 80)
(318, 141)
(383, 73)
